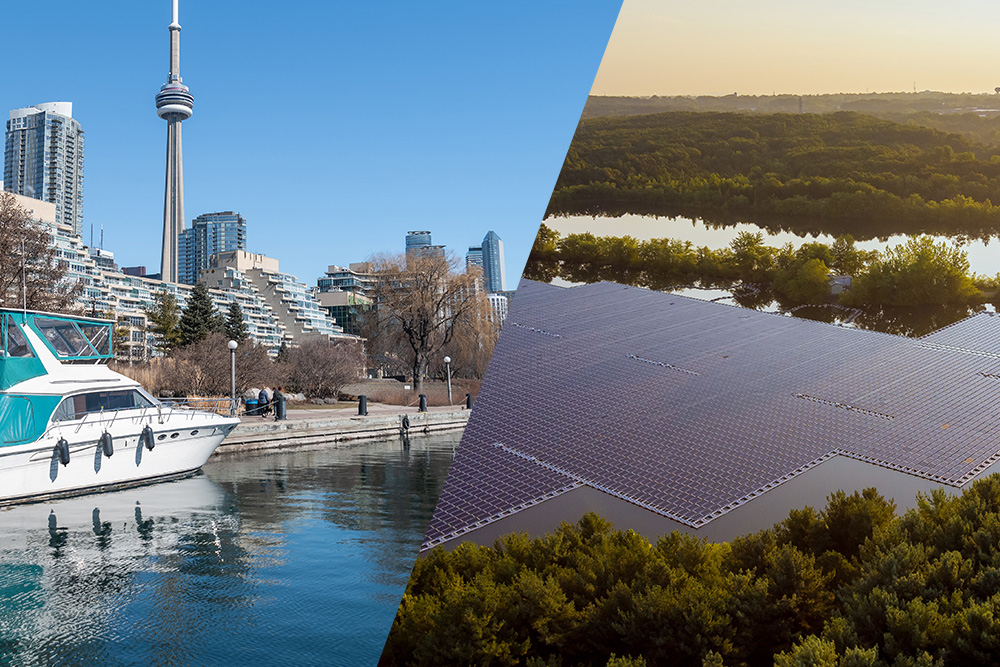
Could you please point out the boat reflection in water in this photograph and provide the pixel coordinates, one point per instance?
(292, 557)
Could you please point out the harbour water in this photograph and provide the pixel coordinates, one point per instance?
(294, 557)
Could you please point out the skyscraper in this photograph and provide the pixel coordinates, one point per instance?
(493, 267)
(474, 257)
(209, 233)
(415, 240)
(418, 244)
(174, 103)
(43, 159)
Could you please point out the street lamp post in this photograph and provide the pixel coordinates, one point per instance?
(232, 377)
(447, 368)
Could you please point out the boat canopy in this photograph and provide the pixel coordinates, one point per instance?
(69, 339)
(24, 418)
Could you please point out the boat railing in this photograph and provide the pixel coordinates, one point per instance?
(164, 411)
(188, 405)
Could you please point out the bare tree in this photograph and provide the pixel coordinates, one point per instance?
(320, 368)
(28, 244)
(472, 347)
(202, 368)
(421, 304)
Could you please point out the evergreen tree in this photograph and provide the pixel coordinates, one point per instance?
(199, 317)
(163, 321)
(236, 328)
(283, 353)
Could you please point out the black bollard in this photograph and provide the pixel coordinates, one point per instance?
(423, 402)
(362, 406)
(280, 408)
(468, 401)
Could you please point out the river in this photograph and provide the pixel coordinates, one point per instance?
(293, 557)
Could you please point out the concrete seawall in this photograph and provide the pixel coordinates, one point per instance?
(257, 434)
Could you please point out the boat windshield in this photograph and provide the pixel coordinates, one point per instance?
(73, 338)
(17, 360)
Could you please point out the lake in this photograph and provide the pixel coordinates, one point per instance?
(294, 557)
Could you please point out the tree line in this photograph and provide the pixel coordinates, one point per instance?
(916, 274)
(850, 585)
(842, 172)
(969, 115)
(423, 309)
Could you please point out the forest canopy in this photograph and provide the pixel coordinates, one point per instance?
(843, 172)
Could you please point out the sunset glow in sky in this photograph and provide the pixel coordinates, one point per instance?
(717, 47)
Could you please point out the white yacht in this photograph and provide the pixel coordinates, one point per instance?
(69, 424)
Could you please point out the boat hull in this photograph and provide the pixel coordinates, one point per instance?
(182, 443)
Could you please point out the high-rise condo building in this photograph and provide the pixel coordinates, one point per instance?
(493, 266)
(208, 234)
(474, 257)
(43, 159)
(174, 103)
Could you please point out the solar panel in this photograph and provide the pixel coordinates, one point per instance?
(691, 409)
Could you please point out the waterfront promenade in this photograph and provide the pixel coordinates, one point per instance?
(336, 424)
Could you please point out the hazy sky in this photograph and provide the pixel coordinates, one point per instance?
(672, 47)
(333, 127)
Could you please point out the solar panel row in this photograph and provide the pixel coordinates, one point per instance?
(598, 400)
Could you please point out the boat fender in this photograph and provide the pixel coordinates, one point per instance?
(406, 422)
(106, 444)
(147, 435)
(62, 448)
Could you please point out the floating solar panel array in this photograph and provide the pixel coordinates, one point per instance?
(691, 409)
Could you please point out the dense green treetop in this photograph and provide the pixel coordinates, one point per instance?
(164, 318)
(199, 317)
(236, 328)
(841, 172)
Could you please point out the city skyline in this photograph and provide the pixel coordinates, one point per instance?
(786, 47)
(391, 110)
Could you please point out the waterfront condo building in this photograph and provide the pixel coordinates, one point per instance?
(43, 159)
(209, 234)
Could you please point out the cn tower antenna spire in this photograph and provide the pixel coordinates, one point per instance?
(174, 104)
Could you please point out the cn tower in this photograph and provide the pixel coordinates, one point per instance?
(174, 104)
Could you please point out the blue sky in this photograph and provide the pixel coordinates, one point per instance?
(334, 128)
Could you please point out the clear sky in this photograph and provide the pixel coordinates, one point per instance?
(333, 127)
(713, 47)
